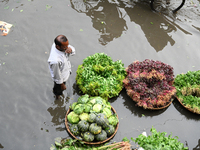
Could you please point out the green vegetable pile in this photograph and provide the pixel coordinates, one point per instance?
(188, 90)
(158, 141)
(92, 119)
(70, 144)
(99, 75)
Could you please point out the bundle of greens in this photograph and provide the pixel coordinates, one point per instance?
(149, 83)
(70, 144)
(158, 141)
(99, 75)
(91, 119)
(188, 90)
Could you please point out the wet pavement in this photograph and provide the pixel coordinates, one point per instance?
(127, 30)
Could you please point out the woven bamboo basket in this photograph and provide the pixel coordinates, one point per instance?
(159, 108)
(190, 109)
(99, 142)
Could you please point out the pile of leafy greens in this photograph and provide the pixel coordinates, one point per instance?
(99, 75)
(159, 141)
(188, 90)
(149, 83)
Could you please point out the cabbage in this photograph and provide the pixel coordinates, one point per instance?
(78, 109)
(97, 108)
(84, 116)
(73, 105)
(87, 108)
(107, 112)
(99, 100)
(113, 120)
(72, 117)
(92, 100)
(83, 99)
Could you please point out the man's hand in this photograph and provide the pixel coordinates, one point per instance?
(68, 50)
(63, 87)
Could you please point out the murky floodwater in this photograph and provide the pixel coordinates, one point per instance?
(127, 30)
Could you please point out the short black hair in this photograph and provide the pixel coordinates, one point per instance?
(59, 39)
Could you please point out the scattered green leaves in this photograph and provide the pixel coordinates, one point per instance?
(70, 144)
(7, 7)
(48, 7)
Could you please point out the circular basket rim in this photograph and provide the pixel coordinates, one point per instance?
(190, 109)
(159, 108)
(100, 142)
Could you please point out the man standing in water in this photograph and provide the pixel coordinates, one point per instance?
(59, 64)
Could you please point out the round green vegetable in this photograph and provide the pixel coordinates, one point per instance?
(83, 126)
(92, 117)
(72, 117)
(79, 108)
(110, 130)
(84, 116)
(74, 129)
(83, 99)
(97, 108)
(94, 128)
(87, 108)
(73, 105)
(101, 136)
(88, 137)
(113, 120)
(101, 119)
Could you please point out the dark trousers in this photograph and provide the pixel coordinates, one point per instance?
(57, 89)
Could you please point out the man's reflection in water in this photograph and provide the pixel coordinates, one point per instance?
(58, 112)
(108, 18)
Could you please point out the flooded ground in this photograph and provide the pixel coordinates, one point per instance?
(126, 30)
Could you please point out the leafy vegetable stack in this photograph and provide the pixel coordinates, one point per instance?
(158, 141)
(92, 119)
(188, 90)
(149, 83)
(100, 76)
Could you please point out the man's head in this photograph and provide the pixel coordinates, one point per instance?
(61, 42)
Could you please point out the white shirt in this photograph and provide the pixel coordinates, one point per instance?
(59, 64)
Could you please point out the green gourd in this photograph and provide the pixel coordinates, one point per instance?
(110, 130)
(74, 129)
(101, 136)
(92, 117)
(83, 126)
(101, 119)
(88, 137)
(94, 128)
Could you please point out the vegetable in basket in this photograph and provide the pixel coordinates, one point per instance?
(84, 116)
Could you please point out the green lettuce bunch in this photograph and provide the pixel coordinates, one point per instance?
(100, 76)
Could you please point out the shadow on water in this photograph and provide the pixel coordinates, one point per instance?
(58, 112)
(1, 146)
(138, 111)
(108, 17)
(198, 146)
(184, 111)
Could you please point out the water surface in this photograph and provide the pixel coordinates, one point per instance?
(127, 30)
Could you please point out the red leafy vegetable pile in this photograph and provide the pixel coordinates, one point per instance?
(149, 83)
